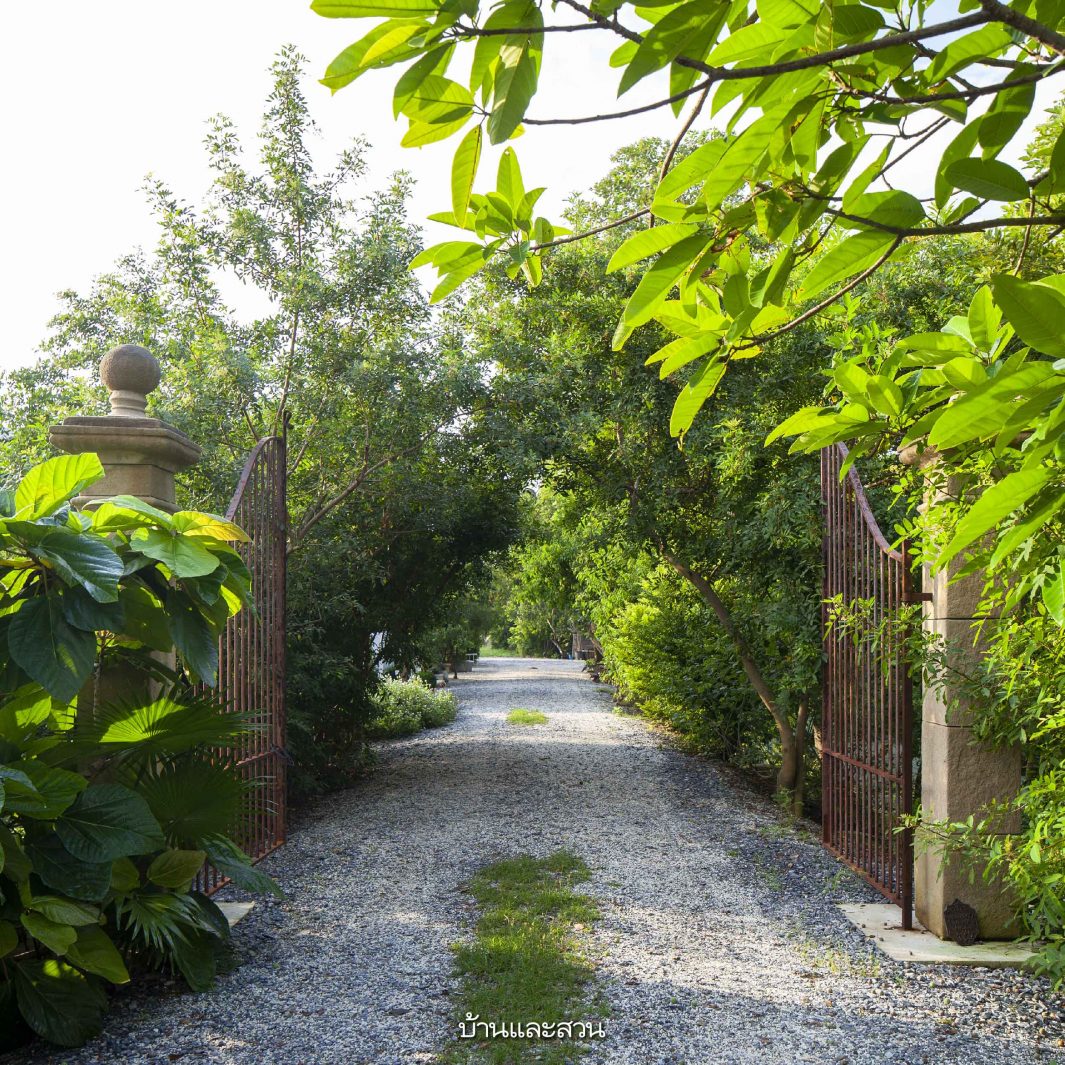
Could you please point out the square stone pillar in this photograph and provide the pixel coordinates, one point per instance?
(140, 455)
(959, 775)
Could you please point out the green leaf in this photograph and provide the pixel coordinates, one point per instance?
(61, 871)
(694, 395)
(515, 80)
(53, 653)
(509, 183)
(232, 862)
(182, 555)
(983, 411)
(385, 44)
(124, 876)
(83, 559)
(885, 396)
(741, 160)
(374, 8)
(94, 952)
(682, 351)
(51, 484)
(849, 257)
(990, 179)
(985, 319)
(56, 937)
(439, 101)
(691, 170)
(64, 911)
(84, 612)
(660, 278)
(53, 790)
(972, 48)
(422, 133)
(648, 242)
(176, 869)
(193, 636)
(464, 171)
(109, 821)
(60, 1004)
(998, 502)
(901, 210)
(1036, 311)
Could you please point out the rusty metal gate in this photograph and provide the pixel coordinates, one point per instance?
(251, 666)
(867, 717)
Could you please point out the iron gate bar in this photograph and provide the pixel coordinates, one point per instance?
(867, 718)
(251, 652)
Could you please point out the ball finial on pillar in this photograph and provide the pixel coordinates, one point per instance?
(129, 372)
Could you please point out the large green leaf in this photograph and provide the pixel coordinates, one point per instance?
(192, 636)
(94, 952)
(849, 257)
(55, 936)
(52, 652)
(182, 555)
(59, 1003)
(660, 278)
(162, 727)
(109, 821)
(982, 412)
(232, 862)
(61, 871)
(15, 864)
(1036, 311)
(385, 44)
(64, 911)
(464, 171)
(53, 790)
(996, 504)
(84, 612)
(176, 869)
(373, 8)
(647, 242)
(83, 559)
(990, 179)
(8, 940)
(694, 394)
(515, 80)
(51, 484)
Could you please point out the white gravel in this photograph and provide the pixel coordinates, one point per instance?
(720, 941)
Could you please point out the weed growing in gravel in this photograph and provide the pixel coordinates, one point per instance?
(524, 964)
(521, 716)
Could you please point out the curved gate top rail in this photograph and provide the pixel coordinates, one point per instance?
(867, 718)
(251, 652)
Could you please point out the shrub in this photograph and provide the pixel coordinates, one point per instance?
(109, 807)
(403, 707)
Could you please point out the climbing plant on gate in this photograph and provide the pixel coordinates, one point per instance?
(764, 228)
(109, 806)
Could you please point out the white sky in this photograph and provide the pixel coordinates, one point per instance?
(96, 95)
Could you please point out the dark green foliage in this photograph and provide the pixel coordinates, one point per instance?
(108, 809)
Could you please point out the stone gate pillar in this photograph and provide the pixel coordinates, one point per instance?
(140, 455)
(959, 775)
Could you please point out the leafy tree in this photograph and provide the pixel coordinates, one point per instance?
(400, 473)
(104, 824)
(763, 229)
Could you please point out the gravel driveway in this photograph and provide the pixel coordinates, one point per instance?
(720, 940)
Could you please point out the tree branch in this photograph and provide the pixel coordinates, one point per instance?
(592, 232)
(703, 87)
(1036, 30)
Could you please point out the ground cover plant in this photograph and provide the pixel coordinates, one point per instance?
(524, 962)
(522, 716)
(112, 792)
(404, 707)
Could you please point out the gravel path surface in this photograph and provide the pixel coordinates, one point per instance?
(720, 940)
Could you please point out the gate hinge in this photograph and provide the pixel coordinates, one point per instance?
(917, 597)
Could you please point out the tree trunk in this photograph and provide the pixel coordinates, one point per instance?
(791, 753)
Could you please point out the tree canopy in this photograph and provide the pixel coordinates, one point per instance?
(803, 196)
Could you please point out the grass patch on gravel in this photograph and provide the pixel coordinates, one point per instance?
(524, 963)
(521, 716)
